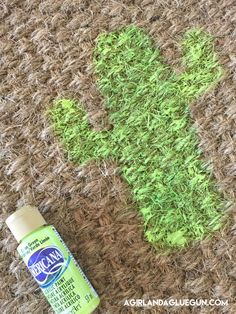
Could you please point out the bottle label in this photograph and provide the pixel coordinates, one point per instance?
(47, 265)
(57, 273)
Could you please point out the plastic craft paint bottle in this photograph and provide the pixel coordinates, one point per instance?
(51, 263)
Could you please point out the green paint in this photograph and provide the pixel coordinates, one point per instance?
(56, 271)
(153, 139)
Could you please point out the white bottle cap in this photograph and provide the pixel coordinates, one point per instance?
(24, 221)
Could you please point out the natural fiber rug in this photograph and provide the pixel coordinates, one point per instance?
(46, 53)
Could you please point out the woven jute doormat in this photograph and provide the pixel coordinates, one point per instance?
(46, 53)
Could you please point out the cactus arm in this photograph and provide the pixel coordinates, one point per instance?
(71, 125)
(202, 69)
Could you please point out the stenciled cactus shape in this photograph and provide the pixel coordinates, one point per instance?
(152, 139)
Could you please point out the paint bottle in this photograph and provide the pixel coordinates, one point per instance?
(51, 263)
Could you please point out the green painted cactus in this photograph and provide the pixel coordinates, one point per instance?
(153, 140)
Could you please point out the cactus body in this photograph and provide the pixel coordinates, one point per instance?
(153, 140)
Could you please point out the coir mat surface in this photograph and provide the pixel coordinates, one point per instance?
(47, 53)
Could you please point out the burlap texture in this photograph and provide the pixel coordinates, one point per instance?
(46, 50)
